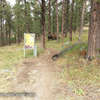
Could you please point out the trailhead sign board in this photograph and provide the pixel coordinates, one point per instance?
(29, 43)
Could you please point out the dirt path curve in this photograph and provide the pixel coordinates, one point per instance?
(37, 76)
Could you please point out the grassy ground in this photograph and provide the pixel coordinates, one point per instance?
(10, 55)
(14, 54)
(76, 72)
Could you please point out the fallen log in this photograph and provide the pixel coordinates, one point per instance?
(56, 56)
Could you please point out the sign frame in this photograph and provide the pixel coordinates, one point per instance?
(34, 48)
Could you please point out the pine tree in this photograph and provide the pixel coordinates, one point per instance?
(94, 31)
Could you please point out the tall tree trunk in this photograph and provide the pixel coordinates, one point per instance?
(71, 20)
(2, 34)
(66, 17)
(57, 21)
(54, 21)
(94, 31)
(6, 34)
(98, 30)
(49, 17)
(77, 17)
(0, 22)
(43, 21)
(82, 19)
(9, 34)
(62, 27)
(18, 35)
(26, 22)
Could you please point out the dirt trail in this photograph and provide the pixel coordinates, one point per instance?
(37, 76)
(37, 79)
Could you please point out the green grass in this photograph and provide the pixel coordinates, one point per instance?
(10, 55)
(14, 54)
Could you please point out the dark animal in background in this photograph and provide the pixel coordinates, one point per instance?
(52, 37)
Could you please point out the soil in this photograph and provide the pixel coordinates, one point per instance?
(37, 77)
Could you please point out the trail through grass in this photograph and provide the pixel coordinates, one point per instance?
(78, 76)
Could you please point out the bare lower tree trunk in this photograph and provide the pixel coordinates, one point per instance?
(54, 21)
(6, 34)
(98, 30)
(57, 22)
(49, 17)
(66, 17)
(43, 21)
(71, 20)
(18, 34)
(94, 31)
(2, 34)
(9, 34)
(27, 26)
(62, 27)
(82, 19)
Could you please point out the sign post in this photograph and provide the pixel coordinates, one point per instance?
(29, 43)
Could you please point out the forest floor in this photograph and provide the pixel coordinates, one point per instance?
(34, 79)
(38, 76)
(71, 77)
